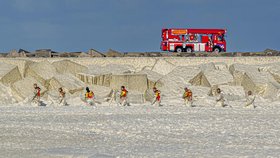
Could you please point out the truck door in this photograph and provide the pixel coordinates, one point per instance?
(208, 42)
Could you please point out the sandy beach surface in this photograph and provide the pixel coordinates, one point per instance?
(139, 131)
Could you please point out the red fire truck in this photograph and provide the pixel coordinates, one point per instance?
(191, 40)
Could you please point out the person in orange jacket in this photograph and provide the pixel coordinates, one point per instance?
(123, 97)
(89, 97)
(157, 97)
(37, 95)
(187, 96)
(62, 97)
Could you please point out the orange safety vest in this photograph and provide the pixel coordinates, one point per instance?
(89, 94)
(124, 93)
(157, 95)
(188, 93)
(38, 91)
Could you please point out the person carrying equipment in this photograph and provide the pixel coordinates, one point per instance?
(123, 97)
(37, 95)
(220, 101)
(157, 98)
(89, 97)
(250, 100)
(210, 42)
(187, 96)
(62, 94)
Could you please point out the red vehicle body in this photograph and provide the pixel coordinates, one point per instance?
(190, 40)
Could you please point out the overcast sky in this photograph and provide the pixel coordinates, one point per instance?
(133, 25)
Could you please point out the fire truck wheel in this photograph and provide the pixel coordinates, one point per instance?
(188, 50)
(179, 49)
(217, 50)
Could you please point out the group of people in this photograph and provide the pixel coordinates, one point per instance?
(37, 96)
(89, 97)
(250, 99)
(220, 100)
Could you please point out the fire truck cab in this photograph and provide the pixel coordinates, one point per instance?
(192, 40)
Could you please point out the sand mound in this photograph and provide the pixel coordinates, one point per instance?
(9, 73)
(218, 77)
(221, 66)
(273, 69)
(212, 75)
(255, 79)
(42, 72)
(67, 66)
(135, 97)
(163, 67)
(101, 75)
(213, 78)
(134, 82)
(272, 91)
(110, 69)
(101, 80)
(68, 82)
(6, 96)
(174, 82)
(153, 78)
(238, 71)
(207, 67)
(22, 64)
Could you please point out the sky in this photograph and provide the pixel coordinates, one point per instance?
(133, 25)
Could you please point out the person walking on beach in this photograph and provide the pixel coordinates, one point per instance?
(123, 97)
(157, 98)
(37, 95)
(89, 97)
(250, 99)
(62, 97)
(187, 96)
(220, 101)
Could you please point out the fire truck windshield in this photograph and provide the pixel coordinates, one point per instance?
(221, 38)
